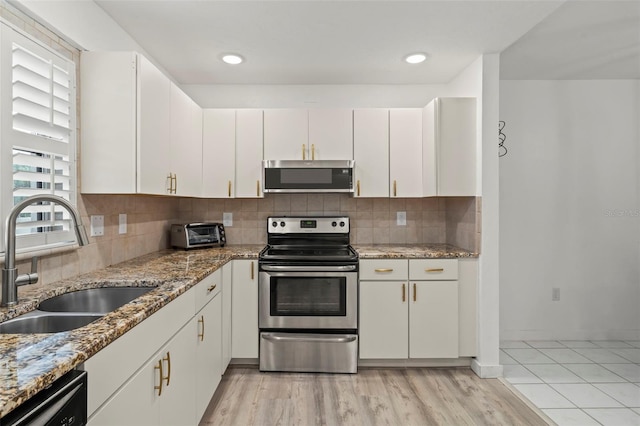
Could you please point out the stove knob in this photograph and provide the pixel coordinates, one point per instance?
(282, 224)
(334, 224)
(342, 224)
(274, 223)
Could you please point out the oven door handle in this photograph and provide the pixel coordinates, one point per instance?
(302, 337)
(283, 268)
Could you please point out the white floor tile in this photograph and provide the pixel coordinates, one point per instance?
(514, 344)
(506, 359)
(630, 372)
(586, 396)
(553, 373)
(578, 344)
(637, 410)
(565, 356)
(529, 356)
(544, 344)
(570, 417)
(627, 394)
(519, 374)
(601, 356)
(631, 354)
(594, 373)
(615, 416)
(634, 343)
(544, 396)
(611, 344)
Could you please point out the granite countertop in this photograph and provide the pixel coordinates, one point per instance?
(31, 362)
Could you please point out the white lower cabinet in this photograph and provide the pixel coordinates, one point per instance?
(244, 309)
(227, 281)
(419, 299)
(166, 369)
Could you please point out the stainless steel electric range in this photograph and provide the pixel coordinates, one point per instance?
(308, 296)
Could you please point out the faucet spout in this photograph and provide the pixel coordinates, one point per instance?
(10, 277)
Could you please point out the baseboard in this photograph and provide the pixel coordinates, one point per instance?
(511, 335)
(408, 363)
(486, 371)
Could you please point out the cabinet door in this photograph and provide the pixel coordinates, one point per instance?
(405, 152)
(244, 309)
(331, 134)
(248, 153)
(286, 134)
(433, 319)
(227, 277)
(207, 333)
(186, 144)
(371, 152)
(218, 153)
(468, 302)
(383, 335)
(429, 152)
(154, 129)
(177, 402)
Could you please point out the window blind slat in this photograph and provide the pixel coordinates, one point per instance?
(34, 126)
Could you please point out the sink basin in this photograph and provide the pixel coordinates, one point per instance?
(95, 300)
(43, 322)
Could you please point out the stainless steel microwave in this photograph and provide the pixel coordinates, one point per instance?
(308, 176)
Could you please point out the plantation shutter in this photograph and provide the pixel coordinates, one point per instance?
(39, 123)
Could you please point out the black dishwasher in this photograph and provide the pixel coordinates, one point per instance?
(64, 403)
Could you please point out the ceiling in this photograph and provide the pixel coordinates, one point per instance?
(347, 42)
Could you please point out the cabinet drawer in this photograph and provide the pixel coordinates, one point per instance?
(207, 289)
(433, 269)
(384, 269)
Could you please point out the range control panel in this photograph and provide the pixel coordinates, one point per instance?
(311, 225)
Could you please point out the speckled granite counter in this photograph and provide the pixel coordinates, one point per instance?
(417, 251)
(30, 362)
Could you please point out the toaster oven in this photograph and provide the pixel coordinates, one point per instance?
(196, 235)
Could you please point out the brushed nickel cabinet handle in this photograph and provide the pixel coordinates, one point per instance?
(257, 188)
(175, 183)
(358, 187)
(252, 275)
(170, 183)
(201, 334)
(404, 292)
(313, 151)
(211, 288)
(434, 270)
(395, 189)
(415, 292)
(159, 387)
(304, 151)
(384, 270)
(229, 189)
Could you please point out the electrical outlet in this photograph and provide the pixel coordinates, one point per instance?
(122, 223)
(555, 294)
(401, 218)
(227, 219)
(97, 225)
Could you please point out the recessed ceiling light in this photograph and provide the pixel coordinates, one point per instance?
(415, 58)
(232, 59)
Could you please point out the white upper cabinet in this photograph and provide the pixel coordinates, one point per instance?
(286, 133)
(139, 135)
(449, 147)
(331, 134)
(248, 153)
(186, 144)
(371, 152)
(405, 152)
(301, 134)
(218, 153)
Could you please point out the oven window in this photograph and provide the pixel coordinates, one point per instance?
(308, 296)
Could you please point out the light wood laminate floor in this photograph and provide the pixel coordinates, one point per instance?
(374, 396)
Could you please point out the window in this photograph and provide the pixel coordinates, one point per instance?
(38, 138)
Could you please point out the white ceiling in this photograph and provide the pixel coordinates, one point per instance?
(355, 43)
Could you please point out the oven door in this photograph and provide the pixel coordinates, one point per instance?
(308, 299)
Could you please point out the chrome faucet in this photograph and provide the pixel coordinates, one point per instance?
(10, 278)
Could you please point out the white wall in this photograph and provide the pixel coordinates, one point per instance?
(569, 210)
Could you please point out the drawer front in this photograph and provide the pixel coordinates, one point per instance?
(207, 289)
(433, 269)
(384, 269)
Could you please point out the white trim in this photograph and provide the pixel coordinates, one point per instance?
(486, 371)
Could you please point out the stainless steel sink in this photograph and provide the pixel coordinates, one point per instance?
(45, 322)
(95, 300)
